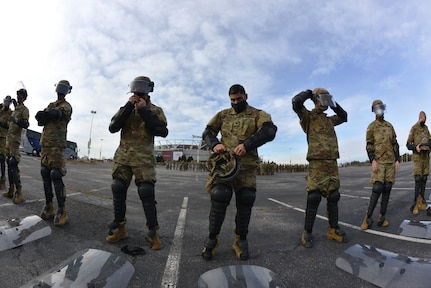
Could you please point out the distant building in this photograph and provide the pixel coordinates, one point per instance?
(172, 150)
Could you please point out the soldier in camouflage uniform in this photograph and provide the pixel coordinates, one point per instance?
(18, 121)
(55, 119)
(5, 114)
(419, 141)
(243, 129)
(323, 179)
(139, 121)
(384, 155)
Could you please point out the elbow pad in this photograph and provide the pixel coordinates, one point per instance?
(23, 123)
(209, 136)
(117, 122)
(411, 146)
(42, 118)
(264, 135)
(299, 99)
(340, 112)
(54, 113)
(397, 152)
(156, 126)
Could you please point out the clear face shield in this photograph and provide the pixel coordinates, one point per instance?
(325, 100)
(141, 86)
(379, 109)
(63, 88)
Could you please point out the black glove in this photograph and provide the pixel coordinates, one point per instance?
(41, 118)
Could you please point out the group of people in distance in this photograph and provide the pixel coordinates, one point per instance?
(243, 129)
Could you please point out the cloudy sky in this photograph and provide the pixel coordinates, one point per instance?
(195, 50)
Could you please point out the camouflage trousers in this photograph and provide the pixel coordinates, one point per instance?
(323, 176)
(53, 158)
(385, 173)
(141, 173)
(421, 164)
(12, 150)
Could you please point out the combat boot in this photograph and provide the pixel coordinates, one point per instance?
(422, 205)
(117, 231)
(60, 217)
(367, 223)
(48, 212)
(3, 183)
(210, 248)
(337, 234)
(307, 239)
(154, 240)
(415, 208)
(17, 196)
(382, 221)
(241, 248)
(9, 193)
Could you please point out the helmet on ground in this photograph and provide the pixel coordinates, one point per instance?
(377, 104)
(223, 167)
(63, 87)
(141, 84)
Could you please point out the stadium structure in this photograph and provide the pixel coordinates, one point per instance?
(173, 150)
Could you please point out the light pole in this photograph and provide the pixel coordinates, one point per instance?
(100, 153)
(91, 128)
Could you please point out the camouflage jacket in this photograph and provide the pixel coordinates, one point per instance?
(382, 142)
(418, 135)
(235, 128)
(55, 130)
(321, 138)
(137, 141)
(4, 121)
(21, 112)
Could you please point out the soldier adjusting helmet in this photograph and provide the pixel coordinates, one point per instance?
(141, 85)
(63, 87)
(223, 167)
(7, 100)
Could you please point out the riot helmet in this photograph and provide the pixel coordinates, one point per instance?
(141, 85)
(378, 107)
(223, 167)
(323, 97)
(21, 90)
(63, 87)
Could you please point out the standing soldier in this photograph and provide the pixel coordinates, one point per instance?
(18, 121)
(323, 178)
(5, 114)
(55, 118)
(139, 121)
(243, 129)
(384, 154)
(419, 142)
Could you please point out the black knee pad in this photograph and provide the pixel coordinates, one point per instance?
(118, 187)
(314, 197)
(424, 178)
(378, 187)
(45, 172)
(146, 192)
(418, 178)
(388, 187)
(12, 163)
(56, 175)
(334, 197)
(221, 193)
(2, 158)
(245, 196)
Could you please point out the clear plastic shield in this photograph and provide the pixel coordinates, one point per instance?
(87, 268)
(16, 232)
(384, 268)
(415, 228)
(240, 276)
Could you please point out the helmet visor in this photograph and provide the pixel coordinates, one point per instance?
(379, 107)
(141, 86)
(325, 100)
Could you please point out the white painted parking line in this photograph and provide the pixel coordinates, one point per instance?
(384, 234)
(170, 276)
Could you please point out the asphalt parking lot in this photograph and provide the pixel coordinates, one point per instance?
(183, 205)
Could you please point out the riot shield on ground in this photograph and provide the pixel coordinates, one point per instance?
(415, 228)
(87, 268)
(240, 276)
(16, 232)
(384, 268)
